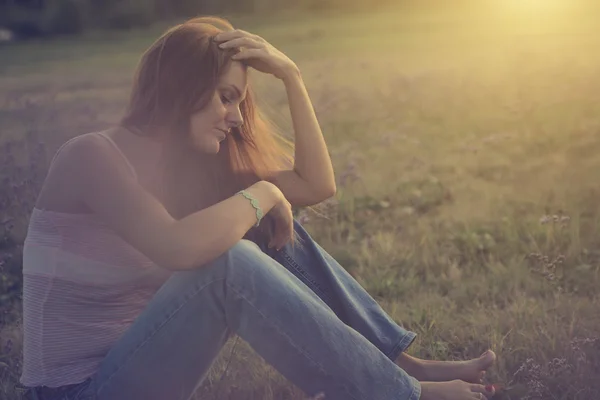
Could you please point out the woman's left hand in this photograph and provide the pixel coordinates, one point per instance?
(257, 53)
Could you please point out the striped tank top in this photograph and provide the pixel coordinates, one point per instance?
(83, 286)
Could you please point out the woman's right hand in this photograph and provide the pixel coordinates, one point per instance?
(284, 222)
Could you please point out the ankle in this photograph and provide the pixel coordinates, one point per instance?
(414, 367)
(428, 391)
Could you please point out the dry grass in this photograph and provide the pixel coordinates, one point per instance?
(457, 138)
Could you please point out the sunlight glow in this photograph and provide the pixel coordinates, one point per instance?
(538, 14)
(543, 7)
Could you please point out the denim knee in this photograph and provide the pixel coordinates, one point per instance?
(240, 261)
(244, 248)
(245, 261)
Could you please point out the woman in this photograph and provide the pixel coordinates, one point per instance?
(153, 242)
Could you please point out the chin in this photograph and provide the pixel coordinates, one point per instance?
(217, 147)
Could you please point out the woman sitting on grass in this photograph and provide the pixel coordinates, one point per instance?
(153, 242)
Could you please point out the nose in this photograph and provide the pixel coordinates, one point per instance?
(235, 119)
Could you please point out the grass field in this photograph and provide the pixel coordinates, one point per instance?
(466, 144)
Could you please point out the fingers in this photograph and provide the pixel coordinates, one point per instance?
(286, 235)
(279, 236)
(237, 33)
(290, 237)
(245, 54)
(284, 227)
(280, 240)
(245, 41)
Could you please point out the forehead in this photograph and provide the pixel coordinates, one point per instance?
(235, 74)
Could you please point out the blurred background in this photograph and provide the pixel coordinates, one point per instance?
(31, 18)
(465, 137)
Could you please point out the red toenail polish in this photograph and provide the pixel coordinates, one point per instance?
(489, 388)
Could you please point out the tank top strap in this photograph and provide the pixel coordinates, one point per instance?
(61, 147)
(104, 135)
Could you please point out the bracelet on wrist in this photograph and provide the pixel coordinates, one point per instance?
(254, 202)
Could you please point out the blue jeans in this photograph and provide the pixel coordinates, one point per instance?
(297, 308)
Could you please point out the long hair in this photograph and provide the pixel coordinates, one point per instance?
(178, 75)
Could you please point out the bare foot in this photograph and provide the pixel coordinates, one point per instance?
(454, 390)
(439, 371)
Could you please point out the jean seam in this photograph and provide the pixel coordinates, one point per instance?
(401, 345)
(415, 394)
(153, 332)
(321, 293)
(290, 341)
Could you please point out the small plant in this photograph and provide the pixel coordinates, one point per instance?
(542, 265)
(551, 267)
(572, 376)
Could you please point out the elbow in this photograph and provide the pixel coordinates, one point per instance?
(326, 193)
(331, 191)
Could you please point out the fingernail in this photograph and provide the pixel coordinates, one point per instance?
(489, 388)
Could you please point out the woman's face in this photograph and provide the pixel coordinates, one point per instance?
(211, 125)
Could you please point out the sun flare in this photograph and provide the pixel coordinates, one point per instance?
(541, 6)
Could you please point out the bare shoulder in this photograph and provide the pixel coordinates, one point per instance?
(76, 158)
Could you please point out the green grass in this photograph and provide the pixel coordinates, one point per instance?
(465, 127)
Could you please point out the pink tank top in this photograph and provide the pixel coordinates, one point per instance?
(83, 286)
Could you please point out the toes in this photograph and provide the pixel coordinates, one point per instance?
(481, 376)
(487, 359)
(487, 391)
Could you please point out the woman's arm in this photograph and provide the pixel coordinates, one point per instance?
(312, 179)
(106, 186)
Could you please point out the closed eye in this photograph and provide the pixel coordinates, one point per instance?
(225, 100)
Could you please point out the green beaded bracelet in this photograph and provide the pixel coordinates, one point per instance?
(254, 202)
